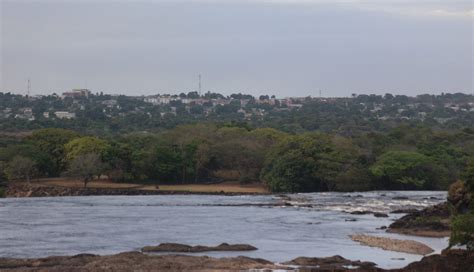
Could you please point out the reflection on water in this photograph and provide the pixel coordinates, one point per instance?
(39, 227)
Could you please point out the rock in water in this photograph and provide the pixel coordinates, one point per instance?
(431, 222)
(406, 246)
(334, 263)
(174, 247)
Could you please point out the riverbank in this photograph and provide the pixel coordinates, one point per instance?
(433, 221)
(62, 187)
(447, 261)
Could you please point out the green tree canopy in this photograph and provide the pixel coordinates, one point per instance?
(20, 168)
(85, 145)
(309, 162)
(468, 175)
(85, 166)
(405, 170)
(50, 142)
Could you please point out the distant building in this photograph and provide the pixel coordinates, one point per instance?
(65, 115)
(159, 100)
(109, 103)
(26, 114)
(77, 93)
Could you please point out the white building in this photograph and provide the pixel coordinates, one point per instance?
(65, 115)
(159, 100)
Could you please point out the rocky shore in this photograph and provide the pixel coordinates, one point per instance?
(134, 261)
(431, 222)
(447, 261)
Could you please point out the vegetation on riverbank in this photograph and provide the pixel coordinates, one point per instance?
(454, 218)
(403, 158)
(461, 195)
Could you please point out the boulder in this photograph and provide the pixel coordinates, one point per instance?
(431, 222)
(334, 263)
(404, 211)
(174, 247)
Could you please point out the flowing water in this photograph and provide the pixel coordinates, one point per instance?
(40, 227)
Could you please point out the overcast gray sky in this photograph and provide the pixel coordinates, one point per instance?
(281, 47)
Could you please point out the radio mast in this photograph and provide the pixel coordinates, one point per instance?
(199, 86)
(28, 88)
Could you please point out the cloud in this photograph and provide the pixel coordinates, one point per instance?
(461, 9)
(447, 13)
(421, 8)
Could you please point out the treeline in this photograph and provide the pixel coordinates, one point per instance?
(404, 158)
(105, 115)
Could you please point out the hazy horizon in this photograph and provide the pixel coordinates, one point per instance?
(275, 47)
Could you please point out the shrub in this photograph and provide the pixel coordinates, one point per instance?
(463, 231)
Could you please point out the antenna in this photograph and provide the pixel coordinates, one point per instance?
(28, 88)
(199, 87)
(320, 93)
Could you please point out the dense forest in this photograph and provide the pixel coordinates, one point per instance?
(402, 158)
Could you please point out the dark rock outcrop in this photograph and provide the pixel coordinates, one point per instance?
(433, 222)
(379, 214)
(448, 261)
(405, 211)
(360, 212)
(334, 263)
(174, 247)
(376, 214)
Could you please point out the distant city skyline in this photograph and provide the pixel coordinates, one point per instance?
(275, 47)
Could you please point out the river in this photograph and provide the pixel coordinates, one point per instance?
(40, 227)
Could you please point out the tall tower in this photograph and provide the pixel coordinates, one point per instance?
(28, 88)
(200, 86)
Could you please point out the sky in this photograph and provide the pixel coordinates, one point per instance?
(276, 47)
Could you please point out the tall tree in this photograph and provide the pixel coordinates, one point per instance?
(51, 143)
(85, 145)
(20, 168)
(85, 167)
